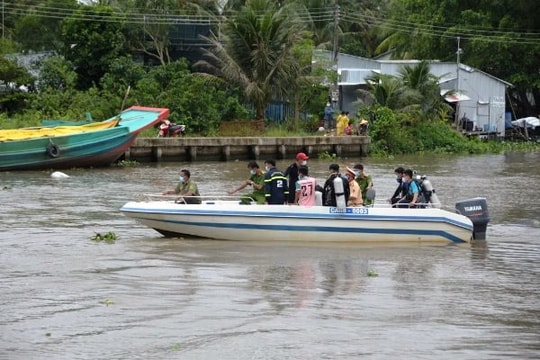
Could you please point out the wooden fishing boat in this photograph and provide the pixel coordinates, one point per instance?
(88, 145)
(46, 131)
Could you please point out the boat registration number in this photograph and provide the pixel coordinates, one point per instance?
(360, 210)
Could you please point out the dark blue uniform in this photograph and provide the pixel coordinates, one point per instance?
(276, 188)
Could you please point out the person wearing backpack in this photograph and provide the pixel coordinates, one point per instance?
(410, 199)
(329, 191)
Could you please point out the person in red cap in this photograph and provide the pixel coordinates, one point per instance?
(292, 174)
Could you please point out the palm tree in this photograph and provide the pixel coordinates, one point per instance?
(388, 91)
(254, 51)
(420, 79)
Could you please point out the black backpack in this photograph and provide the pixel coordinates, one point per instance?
(329, 193)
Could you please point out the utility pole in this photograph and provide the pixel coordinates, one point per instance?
(2, 19)
(335, 92)
(458, 60)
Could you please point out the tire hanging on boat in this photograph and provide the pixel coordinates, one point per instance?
(53, 150)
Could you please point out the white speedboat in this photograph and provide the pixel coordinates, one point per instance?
(229, 220)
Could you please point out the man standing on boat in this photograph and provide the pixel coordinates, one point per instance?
(276, 189)
(331, 193)
(365, 182)
(187, 189)
(256, 180)
(292, 174)
(305, 188)
(355, 198)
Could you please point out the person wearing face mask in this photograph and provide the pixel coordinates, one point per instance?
(305, 188)
(410, 199)
(365, 182)
(187, 189)
(256, 181)
(329, 189)
(402, 187)
(276, 190)
(355, 198)
(292, 174)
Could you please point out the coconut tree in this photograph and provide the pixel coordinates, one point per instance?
(254, 51)
(388, 91)
(419, 78)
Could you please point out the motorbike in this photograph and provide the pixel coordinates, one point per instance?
(170, 129)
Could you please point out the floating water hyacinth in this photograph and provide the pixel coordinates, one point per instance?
(108, 237)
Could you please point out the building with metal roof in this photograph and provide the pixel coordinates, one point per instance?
(479, 99)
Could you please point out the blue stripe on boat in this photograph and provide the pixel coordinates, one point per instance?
(342, 216)
(318, 229)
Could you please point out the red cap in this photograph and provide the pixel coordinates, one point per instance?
(301, 156)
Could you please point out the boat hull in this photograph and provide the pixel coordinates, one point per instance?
(79, 149)
(293, 223)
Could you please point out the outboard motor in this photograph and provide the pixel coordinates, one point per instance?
(476, 210)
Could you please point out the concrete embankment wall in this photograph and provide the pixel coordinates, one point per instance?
(242, 148)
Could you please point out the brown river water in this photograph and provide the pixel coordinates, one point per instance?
(64, 296)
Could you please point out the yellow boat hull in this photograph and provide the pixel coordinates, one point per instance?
(37, 132)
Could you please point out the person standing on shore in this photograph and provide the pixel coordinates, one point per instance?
(276, 189)
(292, 174)
(328, 116)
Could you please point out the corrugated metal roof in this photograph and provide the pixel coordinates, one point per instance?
(355, 76)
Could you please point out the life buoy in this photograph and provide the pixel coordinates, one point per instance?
(53, 150)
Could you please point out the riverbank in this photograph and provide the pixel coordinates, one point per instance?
(231, 148)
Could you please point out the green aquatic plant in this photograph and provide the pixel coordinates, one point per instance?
(108, 237)
(372, 273)
(127, 163)
(325, 155)
(107, 302)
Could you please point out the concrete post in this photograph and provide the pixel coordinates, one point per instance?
(157, 152)
(256, 150)
(226, 152)
(283, 151)
(193, 153)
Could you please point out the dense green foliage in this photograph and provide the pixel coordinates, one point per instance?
(109, 55)
(393, 134)
(198, 105)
